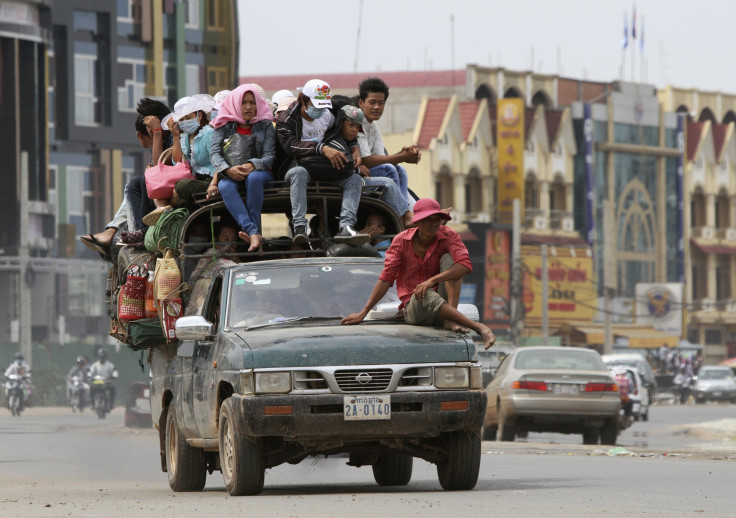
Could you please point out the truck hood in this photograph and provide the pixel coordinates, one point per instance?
(307, 345)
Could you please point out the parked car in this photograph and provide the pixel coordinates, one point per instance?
(491, 359)
(553, 389)
(641, 363)
(714, 383)
(638, 393)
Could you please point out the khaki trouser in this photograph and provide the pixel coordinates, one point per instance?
(425, 312)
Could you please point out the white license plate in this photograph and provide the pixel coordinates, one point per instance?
(366, 408)
(565, 388)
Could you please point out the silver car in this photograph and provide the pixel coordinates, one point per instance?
(715, 384)
(553, 389)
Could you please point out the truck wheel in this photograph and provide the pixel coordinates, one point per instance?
(241, 459)
(393, 469)
(459, 471)
(489, 433)
(185, 465)
(590, 436)
(506, 429)
(609, 432)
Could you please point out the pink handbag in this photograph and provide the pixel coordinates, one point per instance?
(161, 178)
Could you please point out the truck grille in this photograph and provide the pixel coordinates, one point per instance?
(363, 380)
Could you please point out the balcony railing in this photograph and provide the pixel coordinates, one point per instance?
(703, 232)
(727, 234)
(561, 220)
(535, 219)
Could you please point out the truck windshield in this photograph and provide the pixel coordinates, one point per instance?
(259, 297)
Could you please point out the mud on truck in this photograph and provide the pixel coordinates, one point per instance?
(261, 372)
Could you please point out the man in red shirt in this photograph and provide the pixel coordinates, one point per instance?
(418, 260)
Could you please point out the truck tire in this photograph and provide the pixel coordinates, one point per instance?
(609, 432)
(241, 459)
(459, 471)
(185, 465)
(393, 469)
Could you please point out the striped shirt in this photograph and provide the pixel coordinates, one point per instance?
(403, 266)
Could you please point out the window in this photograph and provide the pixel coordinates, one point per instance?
(86, 103)
(134, 87)
(713, 336)
(192, 75)
(216, 79)
(192, 14)
(215, 15)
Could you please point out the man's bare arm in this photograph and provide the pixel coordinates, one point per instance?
(379, 290)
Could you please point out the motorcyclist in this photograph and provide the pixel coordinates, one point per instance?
(20, 367)
(681, 382)
(107, 371)
(624, 388)
(79, 370)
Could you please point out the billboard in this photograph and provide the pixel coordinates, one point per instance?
(572, 291)
(659, 305)
(510, 145)
(497, 278)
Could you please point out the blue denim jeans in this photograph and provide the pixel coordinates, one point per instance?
(298, 177)
(138, 202)
(391, 194)
(395, 172)
(247, 215)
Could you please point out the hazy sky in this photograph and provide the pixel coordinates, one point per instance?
(686, 43)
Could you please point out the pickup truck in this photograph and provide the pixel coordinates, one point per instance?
(262, 373)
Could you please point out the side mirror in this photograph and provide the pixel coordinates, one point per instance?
(194, 328)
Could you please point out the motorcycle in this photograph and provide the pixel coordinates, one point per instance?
(681, 388)
(76, 393)
(99, 394)
(15, 390)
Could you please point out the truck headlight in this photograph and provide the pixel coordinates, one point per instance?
(451, 377)
(246, 382)
(273, 382)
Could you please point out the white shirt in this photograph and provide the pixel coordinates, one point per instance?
(315, 130)
(370, 140)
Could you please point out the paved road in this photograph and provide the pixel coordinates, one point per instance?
(54, 464)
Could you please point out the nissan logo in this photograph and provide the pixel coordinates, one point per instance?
(363, 378)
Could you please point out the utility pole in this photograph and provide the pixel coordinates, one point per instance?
(609, 275)
(24, 289)
(516, 287)
(545, 295)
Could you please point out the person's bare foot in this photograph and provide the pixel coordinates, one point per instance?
(406, 219)
(488, 337)
(255, 242)
(244, 236)
(454, 326)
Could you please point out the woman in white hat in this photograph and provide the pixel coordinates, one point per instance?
(189, 125)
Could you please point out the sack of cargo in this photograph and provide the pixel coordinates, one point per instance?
(167, 231)
(131, 297)
(167, 277)
(145, 334)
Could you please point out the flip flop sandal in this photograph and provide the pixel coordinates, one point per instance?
(101, 248)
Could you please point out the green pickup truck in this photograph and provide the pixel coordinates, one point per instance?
(262, 373)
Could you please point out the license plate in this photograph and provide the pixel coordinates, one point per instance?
(717, 394)
(366, 408)
(565, 388)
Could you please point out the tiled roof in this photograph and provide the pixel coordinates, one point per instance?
(468, 110)
(719, 137)
(406, 79)
(433, 117)
(694, 131)
(553, 118)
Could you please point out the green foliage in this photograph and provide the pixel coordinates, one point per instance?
(49, 386)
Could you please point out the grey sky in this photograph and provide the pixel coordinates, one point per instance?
(686, 42)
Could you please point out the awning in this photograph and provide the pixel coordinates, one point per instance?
(639, 337)
(646, 338)
(713, 249)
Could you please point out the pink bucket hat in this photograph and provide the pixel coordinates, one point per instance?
(426, 207)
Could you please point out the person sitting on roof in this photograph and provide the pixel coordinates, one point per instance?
(300, 131)
(245, 113)
(373, 94)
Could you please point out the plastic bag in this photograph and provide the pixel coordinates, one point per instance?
(239, 149)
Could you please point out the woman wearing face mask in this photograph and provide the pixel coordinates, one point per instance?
(245, 111)
(189, 125)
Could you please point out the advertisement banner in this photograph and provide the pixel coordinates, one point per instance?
(572, 289)
(498, 278)
(680, 212)
(659, 305)
(510, 145)
(589, 177)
